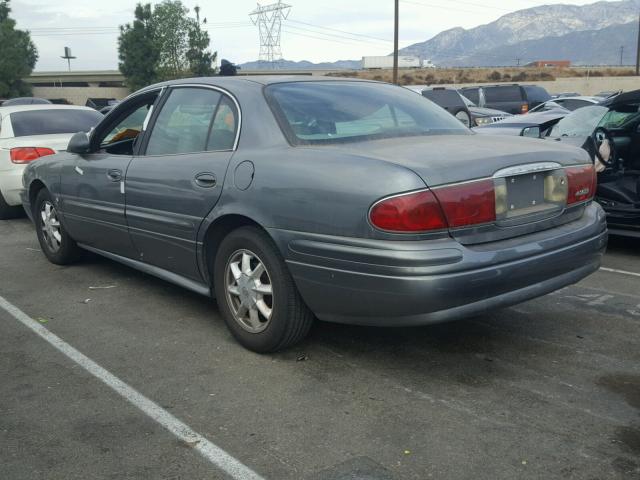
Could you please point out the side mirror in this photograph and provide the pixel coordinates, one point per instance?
(79, 143)
(531, 132)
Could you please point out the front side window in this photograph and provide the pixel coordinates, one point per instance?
(194, 120)
(53, 121)
(129, 128)
(336, 112)
(445, 98)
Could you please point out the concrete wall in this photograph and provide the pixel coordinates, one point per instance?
(583, 85)
(79, 95)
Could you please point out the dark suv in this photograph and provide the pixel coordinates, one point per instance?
(514, 99)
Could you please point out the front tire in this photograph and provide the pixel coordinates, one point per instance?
(56, 244)
(256, 294)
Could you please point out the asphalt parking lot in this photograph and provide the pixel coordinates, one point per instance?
(547, 389)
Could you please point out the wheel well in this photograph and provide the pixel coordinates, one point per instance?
(34, 189)
(216, 233)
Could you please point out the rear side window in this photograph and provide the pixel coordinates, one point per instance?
(511, 93)
(445, 98)
(472, 94)
(53, 121)
(536, 94)
(574, 104)
(189, 122)
(337, 112)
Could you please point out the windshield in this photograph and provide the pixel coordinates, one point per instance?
(580, 123)
(335, 112)
(467, 102)
(53, 121)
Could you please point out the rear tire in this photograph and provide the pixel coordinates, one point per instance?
(56, 244)
(8, 211)
(256, 294)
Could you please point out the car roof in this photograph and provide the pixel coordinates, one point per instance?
(230, 82)
(586, 98)
(26, 108)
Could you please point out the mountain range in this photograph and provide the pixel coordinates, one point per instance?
(589, 34)
(584, 34)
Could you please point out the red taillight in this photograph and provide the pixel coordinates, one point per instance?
(583, 182)
(525, 108)
(454, 206)
(411, 212)
(469, 203)
(28, 154)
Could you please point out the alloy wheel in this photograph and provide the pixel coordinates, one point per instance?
(249, 291)
(51, 229)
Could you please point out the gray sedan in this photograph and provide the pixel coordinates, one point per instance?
(294, 199)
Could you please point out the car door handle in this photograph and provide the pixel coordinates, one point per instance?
(114, 175)
(206, 180)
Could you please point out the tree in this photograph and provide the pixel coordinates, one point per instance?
(18, 56)
(172, 27)
(201, 60)
(138, 52)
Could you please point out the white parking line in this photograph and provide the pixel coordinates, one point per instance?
(622, 272)
(210, 451)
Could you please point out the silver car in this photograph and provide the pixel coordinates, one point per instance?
(294, 199)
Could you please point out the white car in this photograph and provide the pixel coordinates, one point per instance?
(28, 132)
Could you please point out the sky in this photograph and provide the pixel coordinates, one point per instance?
(318, 31)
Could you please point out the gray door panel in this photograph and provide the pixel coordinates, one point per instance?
(93, 202)
(167, 199)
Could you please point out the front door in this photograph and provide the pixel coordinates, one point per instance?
(177, 179)
(93, 192)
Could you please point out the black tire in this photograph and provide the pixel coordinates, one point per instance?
(290, 319)
(68, 250)
(7, 211)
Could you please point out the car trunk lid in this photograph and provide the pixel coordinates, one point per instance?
(528, 177)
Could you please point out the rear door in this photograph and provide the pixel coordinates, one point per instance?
(177, 178)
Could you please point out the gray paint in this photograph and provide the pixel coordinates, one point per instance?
(314, 202)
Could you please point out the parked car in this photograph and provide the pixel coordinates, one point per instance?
(459, 106)
(514, 99)
(483, 116)
(28, 132)
(451, 101)
(610, 133)
(12, 102)
(535, 124)
(568, 103)
(565, 94)
(289, 198)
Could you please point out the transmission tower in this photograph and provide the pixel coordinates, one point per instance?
(269, 19)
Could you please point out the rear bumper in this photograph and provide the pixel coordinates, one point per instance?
(11, 185)
(384, 283)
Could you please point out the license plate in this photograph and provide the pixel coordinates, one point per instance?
(525, 192)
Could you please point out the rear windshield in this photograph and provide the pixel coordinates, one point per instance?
(503, 94)
(444, 98)
(53, 121)
(338, 112)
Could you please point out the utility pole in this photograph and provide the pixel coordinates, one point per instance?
(518, 61)
(395, 42)
(268, 19)
(638, 50)
(621, 54)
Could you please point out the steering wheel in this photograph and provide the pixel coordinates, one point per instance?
(600, 135)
